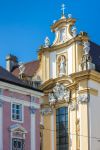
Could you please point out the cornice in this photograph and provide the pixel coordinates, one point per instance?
(72, 81)
(19, 89)
(87, 74)
(89, 90)
(78, 38)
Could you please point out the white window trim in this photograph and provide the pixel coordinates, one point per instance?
(18, 121)
(16, 138)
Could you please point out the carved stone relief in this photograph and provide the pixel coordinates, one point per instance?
(59, 93)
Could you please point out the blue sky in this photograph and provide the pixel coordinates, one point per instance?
(24, 24)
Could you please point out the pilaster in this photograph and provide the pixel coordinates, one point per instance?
(33, 129)
(1, 125)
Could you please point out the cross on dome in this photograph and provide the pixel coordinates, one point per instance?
(63, 9)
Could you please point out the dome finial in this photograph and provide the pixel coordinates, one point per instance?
(63, 9)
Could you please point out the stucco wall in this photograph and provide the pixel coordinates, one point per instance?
(94, 117)
(26, 124)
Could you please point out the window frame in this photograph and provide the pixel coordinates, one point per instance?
(18, 139)
(59, 137)
(22, 112)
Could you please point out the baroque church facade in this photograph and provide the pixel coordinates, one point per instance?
(68, 72)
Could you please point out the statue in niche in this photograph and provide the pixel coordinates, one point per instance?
(62, 66)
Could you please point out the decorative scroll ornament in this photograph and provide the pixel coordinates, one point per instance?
(73, 106)
(59, 93)
(84, 98)
(47, 42)
(46, 111)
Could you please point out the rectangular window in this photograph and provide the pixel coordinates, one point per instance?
(17, 144)
(62, 128)
(17, 112)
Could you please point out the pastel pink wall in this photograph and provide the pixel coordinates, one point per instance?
(16, 95)
(7, 123)
(26, 124)
(37, 130)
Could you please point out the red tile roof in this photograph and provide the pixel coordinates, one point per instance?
(30, 68)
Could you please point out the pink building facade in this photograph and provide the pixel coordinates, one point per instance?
(19, 116)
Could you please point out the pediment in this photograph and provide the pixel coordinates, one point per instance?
(48, 85)
(17, 128)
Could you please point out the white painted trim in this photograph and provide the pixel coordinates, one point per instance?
(33, 132)
(10, 140)
(18, 121)
(52, 131)
(19, 89)
(23, 102)
(1, 127)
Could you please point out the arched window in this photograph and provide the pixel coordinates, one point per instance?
(62, 128)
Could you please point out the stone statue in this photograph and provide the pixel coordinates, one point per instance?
(47, 42)
(69, 16)
(86, 47)
(74, 31)
(21, 68)
(62, 68)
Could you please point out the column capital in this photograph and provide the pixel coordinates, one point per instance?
(32, 110)
(46, 111)
(83, 98)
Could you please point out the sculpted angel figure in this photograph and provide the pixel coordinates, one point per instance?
(47, 42)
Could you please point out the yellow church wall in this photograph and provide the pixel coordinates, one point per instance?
(47, 133)
(83, 117)
(83, 126)
(76, 57)
(44, 66)
(72, 133)
(47, 67)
